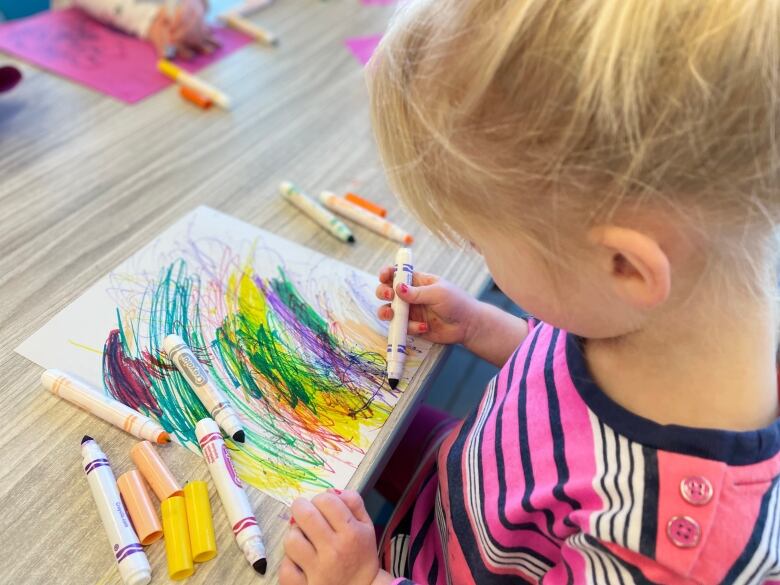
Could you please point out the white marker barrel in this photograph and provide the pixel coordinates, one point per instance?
(365, 218)
(316, 212)
(110, 410)
(231, 492)
(198, 378)
(396, 338)
(129, 554)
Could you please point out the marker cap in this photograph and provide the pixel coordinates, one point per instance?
(197, 98)
(202, 539)
(177, 538)
(154, 470)
(139, 505)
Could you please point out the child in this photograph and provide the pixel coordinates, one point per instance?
(183, 32)
(616, 164)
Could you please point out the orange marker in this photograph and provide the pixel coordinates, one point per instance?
(195, 97)
(366, 204)
(95, 402)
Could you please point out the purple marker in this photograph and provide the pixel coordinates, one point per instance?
(128, 552)
(396, 337)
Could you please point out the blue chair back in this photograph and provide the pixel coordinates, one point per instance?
(11, 9)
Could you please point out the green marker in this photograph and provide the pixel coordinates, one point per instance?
(317, 212)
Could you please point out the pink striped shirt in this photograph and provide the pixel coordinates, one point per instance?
(550, 481)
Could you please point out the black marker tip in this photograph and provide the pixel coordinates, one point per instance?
(351, 239)
(260, 566)
(239, 436)
(86, 438)
(393, 383)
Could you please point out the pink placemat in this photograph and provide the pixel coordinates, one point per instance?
(73, 45)
(363, 47)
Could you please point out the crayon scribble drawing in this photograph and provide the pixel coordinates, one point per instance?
(290, 337)
(73, 45)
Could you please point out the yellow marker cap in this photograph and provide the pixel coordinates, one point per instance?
(177, 538)
(202, 539)
(167, 68)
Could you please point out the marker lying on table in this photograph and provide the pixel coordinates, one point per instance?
(198, 378)
(130, 558)
(317, 212)
(102, 406)
(396, 337)
(365, 218)
(249, 28)
(183, 78)
(231, 492)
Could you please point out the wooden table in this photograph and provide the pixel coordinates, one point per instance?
(85, 181)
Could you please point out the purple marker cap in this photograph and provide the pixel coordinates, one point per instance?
(9, 77)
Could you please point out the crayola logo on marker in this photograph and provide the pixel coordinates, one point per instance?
(193, 369)
(230, 468)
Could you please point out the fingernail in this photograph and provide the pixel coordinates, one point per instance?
(403, 288)
(292, 520)
(423, 327)
(388, 295)
(339, 492)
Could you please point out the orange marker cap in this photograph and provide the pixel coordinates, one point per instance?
(366, 204)
(139, 505)
(195, 97)
(154, 470)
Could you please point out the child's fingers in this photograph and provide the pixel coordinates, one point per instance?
(332, 509)
(419, 295)
(385, 313)
(386, 274)
(384, 292)
(298, 548)
(417, 328)
(355, 504)
(310, 520)
(424, 279)
(290, 574)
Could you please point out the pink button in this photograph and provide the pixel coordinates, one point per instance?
(696, 490)
(683, 531)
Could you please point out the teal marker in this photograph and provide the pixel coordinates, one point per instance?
(317, 212)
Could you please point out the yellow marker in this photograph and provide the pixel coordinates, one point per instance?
(202, 540)
(187, 80)
(177, 538)
(249, 28)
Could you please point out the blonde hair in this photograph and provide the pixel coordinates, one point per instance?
(545, 111)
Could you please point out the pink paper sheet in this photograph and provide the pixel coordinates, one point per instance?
(71, 44)
(363, 47)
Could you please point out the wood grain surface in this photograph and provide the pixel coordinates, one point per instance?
(85, 181)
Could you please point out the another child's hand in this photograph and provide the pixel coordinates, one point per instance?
(438, 311)
(187, 31)
(331, 542)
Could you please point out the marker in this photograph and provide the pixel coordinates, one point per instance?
(365, 218)
(317, 212)
(249, 28)
(231, 492)
(200, 100)
(201, 383)
(102, 406)
(396, 336)
(183, 78)
(130, 558)
(374, 208)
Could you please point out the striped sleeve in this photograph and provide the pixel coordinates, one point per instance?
(402, 581)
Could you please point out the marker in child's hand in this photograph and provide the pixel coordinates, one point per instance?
(396, 338)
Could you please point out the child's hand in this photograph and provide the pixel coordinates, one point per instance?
(438, 311)
(331, 542)
(187, 31)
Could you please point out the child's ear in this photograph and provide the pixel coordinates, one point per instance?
(635, 263)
